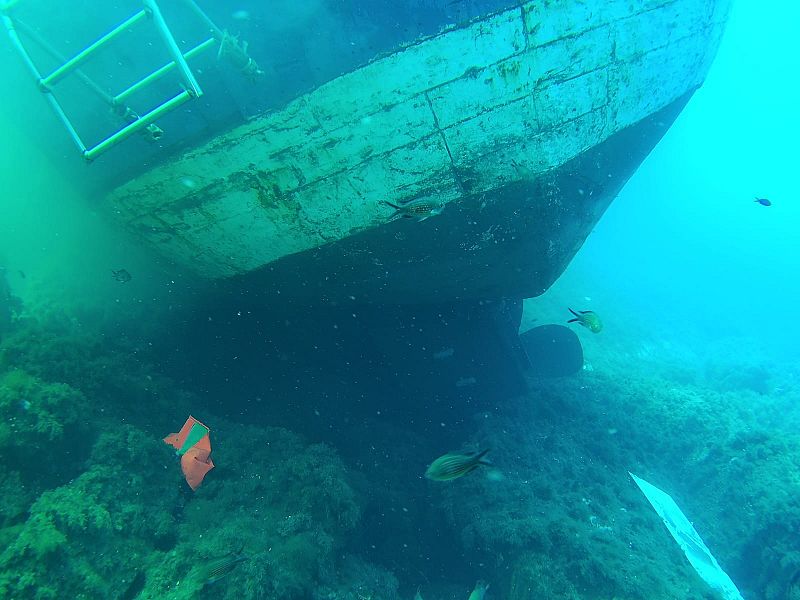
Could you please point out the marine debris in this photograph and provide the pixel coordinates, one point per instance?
(193, 445)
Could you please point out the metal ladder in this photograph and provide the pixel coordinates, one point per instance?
(229, 47)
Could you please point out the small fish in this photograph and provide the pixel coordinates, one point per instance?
(588, 319)
(479, 593)
(217, 568)
(453, 465)
(417, 596)
(763, 201)
(416, 209)
(121, 275)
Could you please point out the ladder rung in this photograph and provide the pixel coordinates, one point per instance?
(12, 32)
(72, 63)
(191, 88)
(122, 96)
(138, 124)
(177, 56)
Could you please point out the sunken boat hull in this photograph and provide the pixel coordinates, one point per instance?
(524, 123)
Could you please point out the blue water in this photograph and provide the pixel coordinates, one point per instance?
(323, 420)
(683, 237)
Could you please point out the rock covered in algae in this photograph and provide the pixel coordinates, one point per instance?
(128, 520)
(289, 505)
(83, 538)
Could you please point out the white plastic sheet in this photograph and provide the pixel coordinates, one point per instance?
(688, 539)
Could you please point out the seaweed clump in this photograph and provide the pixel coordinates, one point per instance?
(42, 421)
(288, 505)
(563, 518)
(95, 505)
(88, 537)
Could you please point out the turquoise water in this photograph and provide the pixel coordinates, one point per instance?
(323, 419)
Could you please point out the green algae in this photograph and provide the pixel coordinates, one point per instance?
(37, 412)
(104, 503)
(94, 501)
(128, 512)
(78, 534)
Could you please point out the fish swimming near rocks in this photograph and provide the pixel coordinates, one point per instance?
(121, 275)
(588, 319)
(454, 465)
(479, 593)
(416, 209)
(215, 569)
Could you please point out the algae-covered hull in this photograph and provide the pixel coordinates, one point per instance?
(525, 123)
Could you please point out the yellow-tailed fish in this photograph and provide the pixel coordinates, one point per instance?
(416, 209)
(588, 319)
(479, 593)
(453, 465)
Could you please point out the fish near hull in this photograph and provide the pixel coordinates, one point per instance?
(527, 232)
(524, 125)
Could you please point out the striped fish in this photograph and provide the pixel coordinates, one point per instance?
(416, 209)
(217, 568)
(453, 465)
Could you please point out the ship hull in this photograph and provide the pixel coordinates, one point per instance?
(523, 124)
